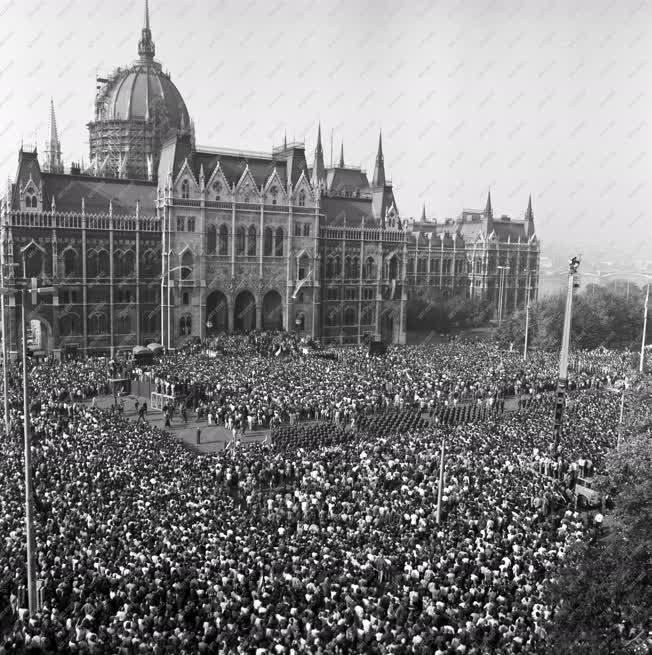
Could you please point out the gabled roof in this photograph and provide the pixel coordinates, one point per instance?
(341, 180)
(68, 190)
(28, 167)
(509, 229)
(289, 163)
(354, 209)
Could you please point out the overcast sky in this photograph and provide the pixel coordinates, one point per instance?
(548, 98)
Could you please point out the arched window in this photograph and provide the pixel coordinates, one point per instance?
(97, 324)
(68, 325)
(349, 316)
(128, 263)
(211, 239)
(278, 242)
(34, 261)
(422, 265)
(347, 268)
(392, 272)
(251, 241)
(411, 265)
(355, 268)
(69, 262)
(185, 189)
(103, 266)
(187, 263)
(92, 269)
(224, 240)
(185, 325)
(149, 263)
(274, 193)
(268, 242)
(370, 268)
(302, 198)
(304, 263)
(306, 229)
(337, 265)
(185, 298)
(124, 324)
(240, 241)
(217, 187)
(246, 198)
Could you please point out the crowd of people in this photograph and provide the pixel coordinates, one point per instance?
(145, 547)
(262, 380)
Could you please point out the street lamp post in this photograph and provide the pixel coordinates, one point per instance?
(563, 357)
(641, 362)
(440, 486)
(169, 302)
(501, 292)
(27, 440)
(527, 320)
(4, 339)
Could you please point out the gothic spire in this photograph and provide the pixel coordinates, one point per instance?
(53, 162)
(318, 169)
(488, 212)
(146, 48)
(423, 213)
(528, 213)
(341, 164)
(529, 219)
(379, 170)
(489, 216)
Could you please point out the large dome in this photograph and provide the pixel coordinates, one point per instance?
(144, 92)
(136, 109)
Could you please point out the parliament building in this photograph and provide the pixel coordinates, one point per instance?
(161, 240)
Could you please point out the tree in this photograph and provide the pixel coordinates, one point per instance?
(601, 317)
(603, 591)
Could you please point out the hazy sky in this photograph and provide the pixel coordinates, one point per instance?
(548, 98)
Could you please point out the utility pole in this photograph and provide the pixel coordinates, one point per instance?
(501, 292)
(440, 490)
(23, 290)
(5, 381)
(562, 383)
(642, 359)
(527, 319)
(29, 492)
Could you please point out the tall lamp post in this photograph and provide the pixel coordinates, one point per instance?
(641, 362)
(562, 383)
(34, 290)
(527, 320)
(501, 292)
(169, 303)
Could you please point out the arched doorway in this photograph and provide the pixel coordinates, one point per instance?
(244, 312)
(387, 327)
(216, 313)
(272, 311)
(39, 335)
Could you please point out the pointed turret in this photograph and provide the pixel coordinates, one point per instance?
(53, 163)
(341, 164)
(529, 219)
(285, 141)
(379, 170)
(318, 169)
(423, 213)
(146, 48)
(488, 211)
(489, 215)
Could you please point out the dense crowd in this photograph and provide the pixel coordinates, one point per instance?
(145, 547)
(264, 380)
